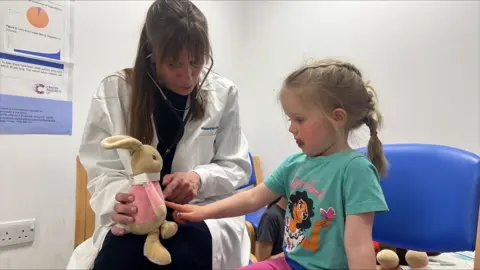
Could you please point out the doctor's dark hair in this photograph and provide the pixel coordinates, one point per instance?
(335, 84)
(170, 26)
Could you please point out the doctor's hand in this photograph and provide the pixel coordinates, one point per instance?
(124, 210)
(187, 212)
(181, 187)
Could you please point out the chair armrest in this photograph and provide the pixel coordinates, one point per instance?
(253, 259)
(253, 236)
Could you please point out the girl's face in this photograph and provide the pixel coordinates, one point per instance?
(313, 132)
(182, 76)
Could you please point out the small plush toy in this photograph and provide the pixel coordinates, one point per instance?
(391, 258)
(149, 199)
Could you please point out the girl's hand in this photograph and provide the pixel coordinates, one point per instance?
(187, 212)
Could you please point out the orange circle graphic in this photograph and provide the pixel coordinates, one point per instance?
(37, 17)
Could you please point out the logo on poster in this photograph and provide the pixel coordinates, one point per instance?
(43, 89)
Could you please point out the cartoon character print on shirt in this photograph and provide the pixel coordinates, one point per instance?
(302, 211)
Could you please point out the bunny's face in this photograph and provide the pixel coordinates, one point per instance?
(147, 160)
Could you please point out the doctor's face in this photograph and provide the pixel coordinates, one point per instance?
(181, 76)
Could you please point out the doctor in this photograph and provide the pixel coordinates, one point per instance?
(171, 100)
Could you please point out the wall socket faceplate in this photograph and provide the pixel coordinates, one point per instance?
(17, 232)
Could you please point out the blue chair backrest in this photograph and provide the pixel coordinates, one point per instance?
(433, 195)
(253, 179)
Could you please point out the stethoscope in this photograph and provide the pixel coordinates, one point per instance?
(190, 108)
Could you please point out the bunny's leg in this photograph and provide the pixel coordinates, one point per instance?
(168, 229)
(155, 251)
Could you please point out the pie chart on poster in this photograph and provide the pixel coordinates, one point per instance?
(37, 17)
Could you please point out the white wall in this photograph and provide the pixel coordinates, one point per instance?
(422, 57)
(104, 43)
(415, 53)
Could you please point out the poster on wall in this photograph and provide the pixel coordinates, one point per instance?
(36, 67)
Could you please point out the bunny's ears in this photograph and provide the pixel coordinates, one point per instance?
(123, 142)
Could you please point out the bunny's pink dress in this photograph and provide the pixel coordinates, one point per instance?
(147, 199)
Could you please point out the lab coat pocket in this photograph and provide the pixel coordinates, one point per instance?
(206, 144)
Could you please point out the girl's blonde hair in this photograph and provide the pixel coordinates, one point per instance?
(336, 84)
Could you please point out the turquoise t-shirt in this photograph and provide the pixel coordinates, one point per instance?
(321, 191)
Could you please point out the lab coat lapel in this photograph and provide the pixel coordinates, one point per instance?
(190, 133)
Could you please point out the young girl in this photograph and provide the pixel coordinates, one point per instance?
(332, 190)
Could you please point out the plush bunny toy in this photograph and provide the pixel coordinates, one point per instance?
(149, 200)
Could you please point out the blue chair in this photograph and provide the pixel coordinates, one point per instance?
(433, 193)
(253, 219)
(253, 178)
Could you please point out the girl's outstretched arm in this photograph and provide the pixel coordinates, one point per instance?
(358, 241)
(237, 205)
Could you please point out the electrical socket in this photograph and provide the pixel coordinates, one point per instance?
(17, 232)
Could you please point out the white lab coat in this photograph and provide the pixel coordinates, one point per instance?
(218, 155)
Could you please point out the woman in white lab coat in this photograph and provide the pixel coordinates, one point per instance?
(172, 101)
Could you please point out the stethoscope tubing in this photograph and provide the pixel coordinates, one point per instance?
(165, 98)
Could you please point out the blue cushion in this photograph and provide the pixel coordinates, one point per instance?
(254, 217)
(253, 179)
(433, 194)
